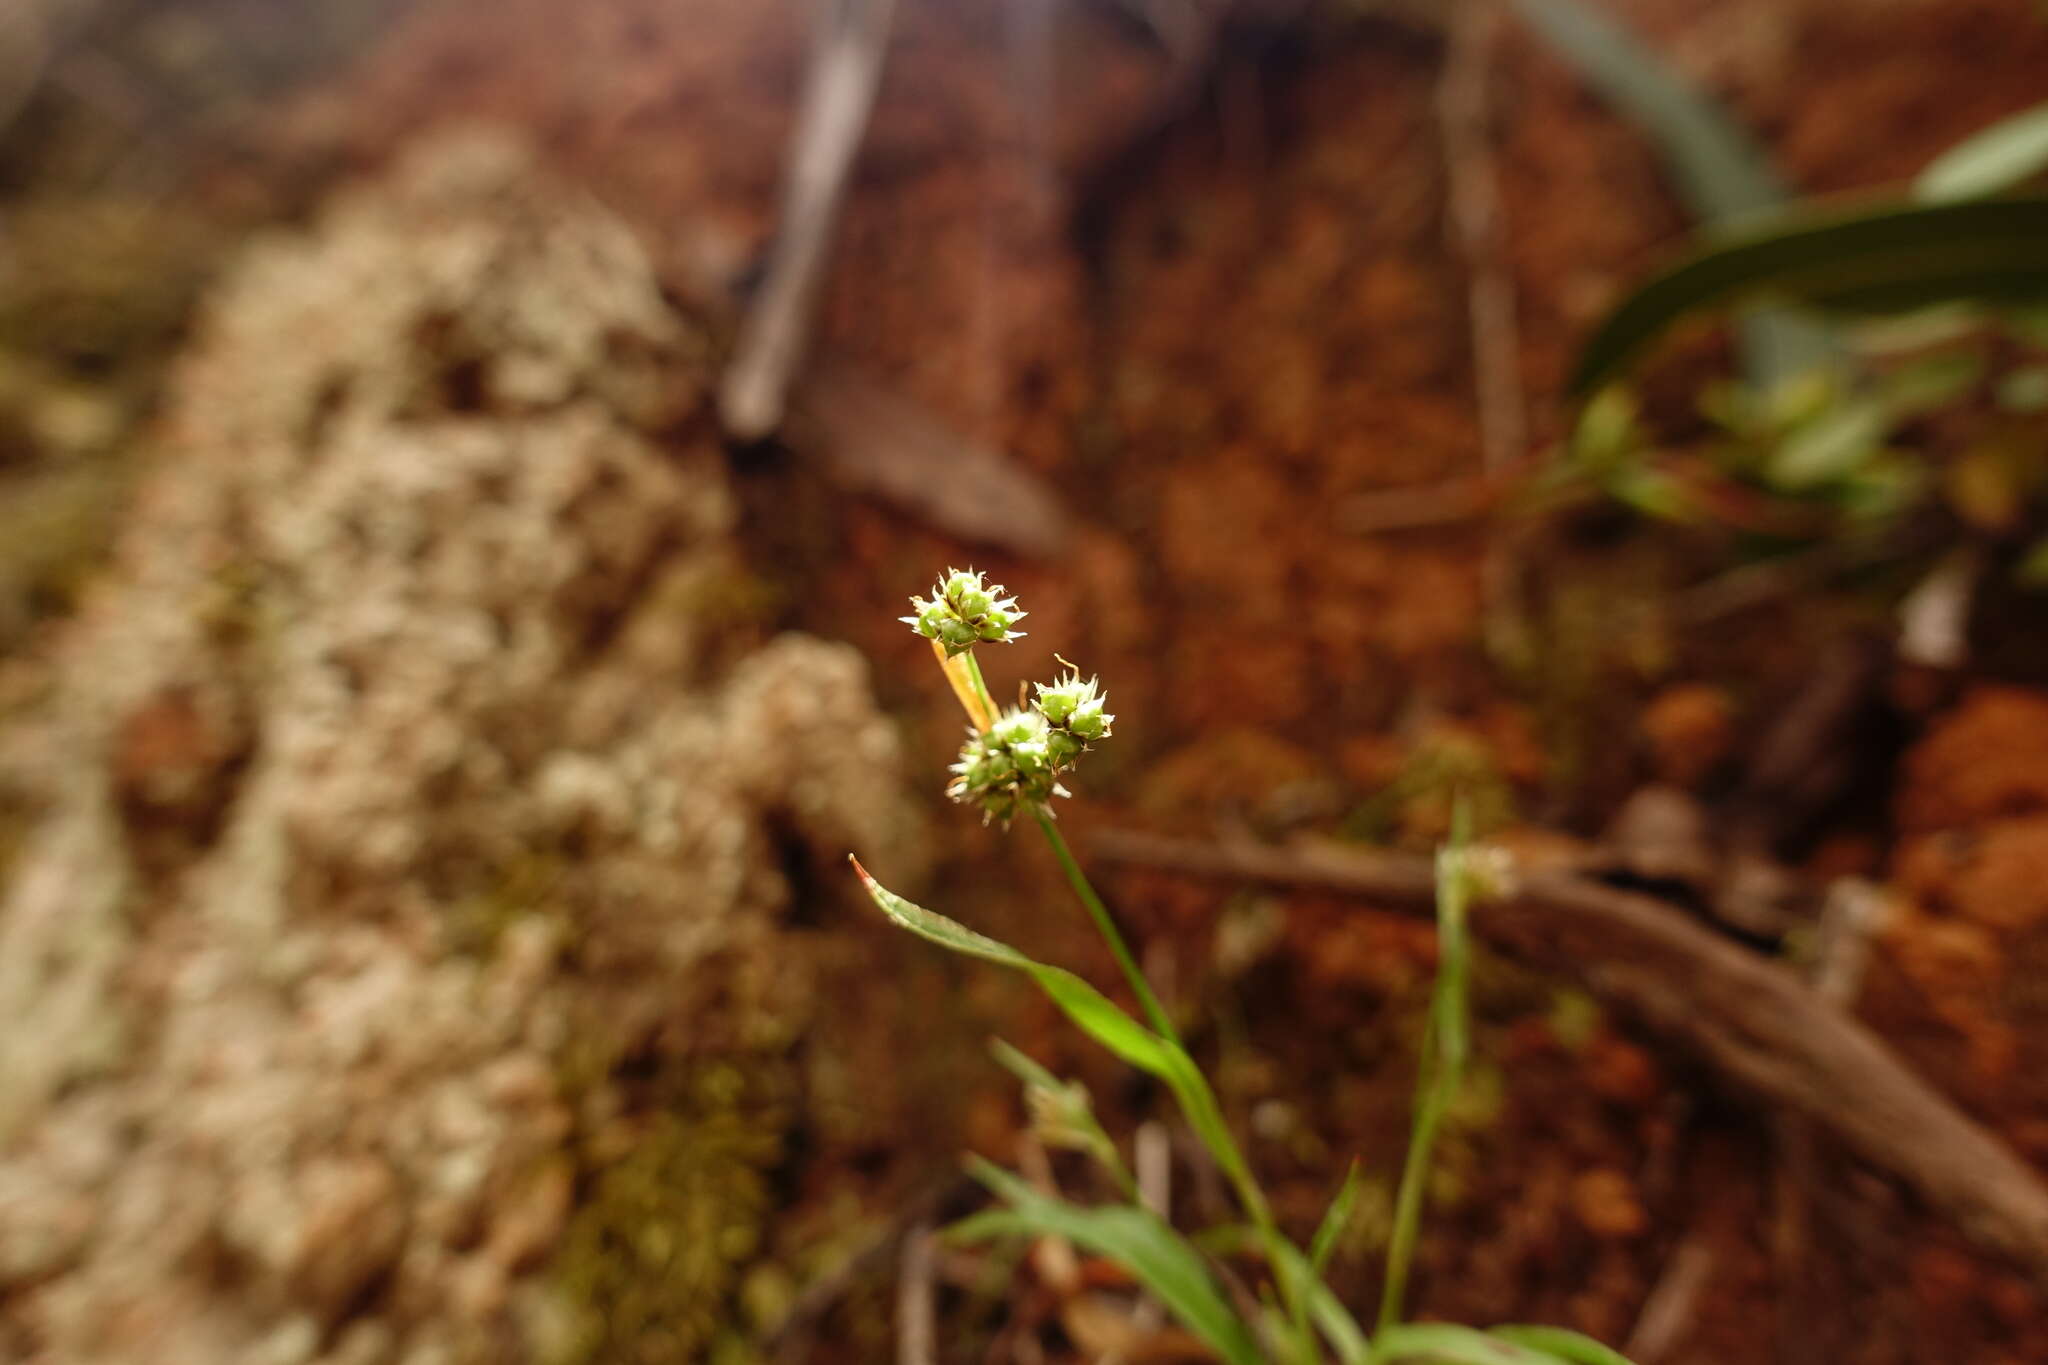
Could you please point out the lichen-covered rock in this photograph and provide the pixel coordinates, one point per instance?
(402, 856)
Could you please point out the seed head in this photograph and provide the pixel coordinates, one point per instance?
(1007, 768)
(1074, 711)
(964, 611)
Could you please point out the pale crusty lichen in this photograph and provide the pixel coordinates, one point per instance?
(397, 843)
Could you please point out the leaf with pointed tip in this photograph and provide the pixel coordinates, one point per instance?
(2010, 152)
(1096, 1015)
(1572, 1347)
(1447, 1344)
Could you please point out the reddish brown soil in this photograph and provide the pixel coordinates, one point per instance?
(1266, 325)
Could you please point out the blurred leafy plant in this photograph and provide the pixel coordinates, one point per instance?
(1915, 393)
(1009, 766)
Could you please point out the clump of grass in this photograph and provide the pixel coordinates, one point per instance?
(1012, 765)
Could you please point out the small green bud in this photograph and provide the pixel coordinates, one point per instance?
(1063, 747)
(964, 611)
(1089, 721)
(1074, 711)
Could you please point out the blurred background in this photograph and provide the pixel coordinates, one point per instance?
(462, 461)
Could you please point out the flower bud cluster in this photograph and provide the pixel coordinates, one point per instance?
(964, 611)
(1015, 764)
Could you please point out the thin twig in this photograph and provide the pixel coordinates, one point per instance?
(1464, 113)
(1672, 1305)
(1753, 1019)
(916, 1328)
(1152, 1156)
(1853, 912)
(839, 93)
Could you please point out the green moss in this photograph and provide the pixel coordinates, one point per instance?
(529, 886)
(657, 1254)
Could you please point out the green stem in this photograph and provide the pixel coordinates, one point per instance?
(1443, 1064)
(1106, 926)
(981, 686)
(1408, 1204)
(1248, 1192)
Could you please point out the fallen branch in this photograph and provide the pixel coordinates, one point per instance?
(1754, 1020)
(839, 93)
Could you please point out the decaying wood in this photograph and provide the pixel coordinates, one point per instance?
(839, 93)
(1756, 1021)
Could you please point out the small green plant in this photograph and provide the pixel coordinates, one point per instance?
(1010, 766)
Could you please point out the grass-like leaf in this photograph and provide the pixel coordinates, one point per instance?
(1447, 1344)
(1328, 1312)
(1335, 1219)
(1720, 170)
(1100, 1019)
(2007, 154)
(1566, 1345)
(1135, 1239)
(1885, 259)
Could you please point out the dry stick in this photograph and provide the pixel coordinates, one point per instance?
(1853, 912)
(1463, 111)
(915, 1311)
(1754, 1020)
(1474, 213)
(1669, 1310)
(839, 92)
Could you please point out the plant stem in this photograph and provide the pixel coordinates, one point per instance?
(980, 684)
(1443, 1064)
(1106, 926)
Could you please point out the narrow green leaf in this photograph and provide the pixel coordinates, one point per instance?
(1096, 1015)
(1023, 1067)
(1885, 259)
(1334, 1222)
(1721, 171)
(1452, 1345)
(1135, 1239)
(1718, 166)
(2008, 153)
(1566, 1345)
(1332, 1318)
(1831, 447)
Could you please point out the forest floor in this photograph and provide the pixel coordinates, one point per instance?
(1223, 335)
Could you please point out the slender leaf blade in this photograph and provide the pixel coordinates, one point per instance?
(1335, 1219)
(1093, 1012)
(1135, 1239)
(2010, 152)
(1722, 173)
(1573, 1347)
(1452, 1345)
(1888, 258)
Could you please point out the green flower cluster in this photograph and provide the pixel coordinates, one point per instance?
(1015, 765)
(964, 611)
